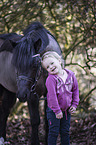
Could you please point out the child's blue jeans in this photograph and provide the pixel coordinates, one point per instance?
(57, 126)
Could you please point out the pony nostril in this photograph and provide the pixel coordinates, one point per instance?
(22, 98)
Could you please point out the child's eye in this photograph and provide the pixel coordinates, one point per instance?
(52, 62)
(47, 67)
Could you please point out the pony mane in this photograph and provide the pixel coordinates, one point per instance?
(35, 26)
(26, 48)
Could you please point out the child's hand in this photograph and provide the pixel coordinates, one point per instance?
(72, 109)
(59, 115)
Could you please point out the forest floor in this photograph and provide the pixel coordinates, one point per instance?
(82, 130)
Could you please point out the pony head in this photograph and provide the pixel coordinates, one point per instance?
(26, 61)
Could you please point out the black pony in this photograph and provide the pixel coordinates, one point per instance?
(21, 74)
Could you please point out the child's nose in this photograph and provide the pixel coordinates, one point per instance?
(50, 66)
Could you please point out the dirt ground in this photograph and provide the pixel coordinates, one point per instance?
(82, 131)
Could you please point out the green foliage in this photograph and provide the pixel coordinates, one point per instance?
(73, 24)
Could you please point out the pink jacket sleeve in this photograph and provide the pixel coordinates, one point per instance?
(75, 90)
(51, 95)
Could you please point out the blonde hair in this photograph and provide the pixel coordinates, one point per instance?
(52, 54)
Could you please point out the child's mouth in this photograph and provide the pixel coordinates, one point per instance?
(53, 68)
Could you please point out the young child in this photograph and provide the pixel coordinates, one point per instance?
(62, 97)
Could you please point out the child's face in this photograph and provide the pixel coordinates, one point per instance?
(52, 65)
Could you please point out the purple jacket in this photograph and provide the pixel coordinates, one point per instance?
(61, 96)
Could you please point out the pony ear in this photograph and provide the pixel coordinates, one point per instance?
(37, 45)
(6, 46)
(13, 43)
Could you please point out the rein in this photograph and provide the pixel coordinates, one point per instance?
(36, 79)
(37, 75)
